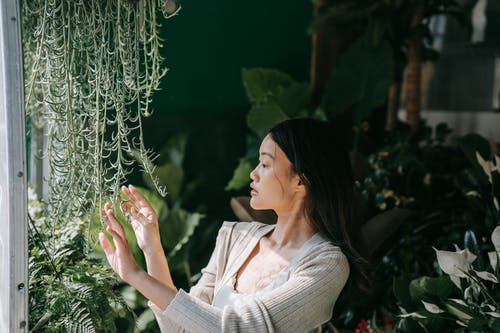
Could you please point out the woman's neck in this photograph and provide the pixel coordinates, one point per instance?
(292, 228)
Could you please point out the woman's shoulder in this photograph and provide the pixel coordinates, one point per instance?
(326, 253)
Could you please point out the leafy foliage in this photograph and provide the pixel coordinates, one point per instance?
(70, 289)
(452, 190)
(473, 299)
(462, 298)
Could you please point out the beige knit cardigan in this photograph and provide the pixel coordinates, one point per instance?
(300, 299)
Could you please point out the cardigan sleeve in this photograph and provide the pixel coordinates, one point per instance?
(204, 289)
(301, 304)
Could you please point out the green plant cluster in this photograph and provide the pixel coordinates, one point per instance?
(464, 300)
(468, 297)
(453, 190)
(70, 290)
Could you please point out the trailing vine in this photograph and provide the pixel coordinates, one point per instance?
(91, 67)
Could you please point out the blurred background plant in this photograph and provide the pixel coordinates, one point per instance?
(466, 297)
(450, 195)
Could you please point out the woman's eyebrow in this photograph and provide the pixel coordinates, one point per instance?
(267, 154)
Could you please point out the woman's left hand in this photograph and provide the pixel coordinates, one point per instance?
(120, 255)
(143, 220)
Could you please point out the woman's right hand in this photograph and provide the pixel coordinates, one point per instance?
(143, 220)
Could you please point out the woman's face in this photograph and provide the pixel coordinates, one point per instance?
(274, 185)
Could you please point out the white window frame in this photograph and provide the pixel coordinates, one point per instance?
(13, 184)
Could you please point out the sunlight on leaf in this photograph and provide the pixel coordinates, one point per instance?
(432, 308)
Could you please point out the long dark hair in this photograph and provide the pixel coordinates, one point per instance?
(319, 156)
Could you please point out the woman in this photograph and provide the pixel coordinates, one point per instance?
(284, 277)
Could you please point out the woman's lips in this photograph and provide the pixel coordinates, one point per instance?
(253, 191)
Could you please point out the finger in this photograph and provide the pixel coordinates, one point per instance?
(140, 199)
(128, 204)
(109, 251)
(127, 191)
(113, 222)
(119, 241)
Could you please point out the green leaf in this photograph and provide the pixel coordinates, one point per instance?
(169, 175)
(295, 99)
(241, 176)
(260, 83)
(262, 117)
(275, 97)
(462, 312)
(359, 80)
(428, 288)
(177, 229)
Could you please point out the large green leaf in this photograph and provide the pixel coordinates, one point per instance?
(241, 176)
(295, 99)
(177, 229)
(169, 175)
(262, 117)
(428, 288)
(275, 96)
(260, 83)
(359, 80)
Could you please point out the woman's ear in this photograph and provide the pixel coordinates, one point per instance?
(299, 184)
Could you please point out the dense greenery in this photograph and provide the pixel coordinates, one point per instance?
(70, 289)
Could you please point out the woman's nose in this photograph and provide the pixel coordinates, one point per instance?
(253, 174)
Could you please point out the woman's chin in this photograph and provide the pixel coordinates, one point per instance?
(254, 203)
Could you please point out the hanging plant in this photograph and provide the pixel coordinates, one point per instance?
(91, 68)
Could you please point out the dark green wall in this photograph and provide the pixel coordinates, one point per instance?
(209, 42)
